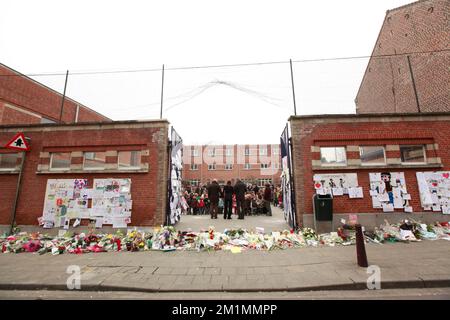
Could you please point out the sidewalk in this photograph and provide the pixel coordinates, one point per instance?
(416, 265)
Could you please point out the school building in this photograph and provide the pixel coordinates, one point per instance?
(255, 164)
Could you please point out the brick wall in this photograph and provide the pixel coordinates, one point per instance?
(309, 133)
(26, 97)
(387, 86)
(148, 187)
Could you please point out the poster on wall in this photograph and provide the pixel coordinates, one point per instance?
(388, 191)
(175, 188)
(108, 202)
(61, 201)
(338, 184)
(111, 201)
(434, 190)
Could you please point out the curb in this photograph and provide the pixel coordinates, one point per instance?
(416, 284)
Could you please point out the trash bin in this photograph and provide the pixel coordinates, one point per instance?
(323, 207)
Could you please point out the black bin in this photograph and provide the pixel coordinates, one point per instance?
(323, 207)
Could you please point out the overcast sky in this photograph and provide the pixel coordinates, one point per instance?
(247, 104)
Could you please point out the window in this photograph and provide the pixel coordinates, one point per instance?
(228, 166)
(247, 152)
(60, 161)
(264, 165)
(275, 151)
(263, 182)
(94, 160)
(195, 182)
(194, 167)
(8, 161)
(413, 154)
(212, 152)
(372, 155)
(212, 166)
(263, 151)
(275, 165)
(129, 160)
(247, 166)
(228, 152)
(334, 156)
(194, 152)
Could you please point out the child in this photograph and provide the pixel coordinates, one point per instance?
(201, 205)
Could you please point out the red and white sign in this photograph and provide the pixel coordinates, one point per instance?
(18, 143)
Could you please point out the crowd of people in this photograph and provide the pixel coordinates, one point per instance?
(240, 199)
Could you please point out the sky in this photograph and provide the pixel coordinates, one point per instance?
(222, 105)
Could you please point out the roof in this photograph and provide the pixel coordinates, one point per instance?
(370, 115)
(50, 89)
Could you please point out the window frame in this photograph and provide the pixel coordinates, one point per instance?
(50, 168)
(265, 181)
(93, 168)
(264, 166)
(247, 166)
(413, 163)
(262, 151)
(213, 167)
(373, 164)
(192, 167)
(11, 168)
(228, 152)
(126, 168)
(229, 168)
(195, 152)
(334, 164)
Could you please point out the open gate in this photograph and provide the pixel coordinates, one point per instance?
(287, 181)
(175, 178)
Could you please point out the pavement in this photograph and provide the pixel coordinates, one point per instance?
(417, 265)
(276, 222)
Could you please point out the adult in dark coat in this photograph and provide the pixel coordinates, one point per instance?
(213, 196)
(239, 189)
(268, 199)
(228, 191)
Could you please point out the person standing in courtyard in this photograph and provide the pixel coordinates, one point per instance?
(228, 200)
(214, 195)
(240, 189)
(268, 199)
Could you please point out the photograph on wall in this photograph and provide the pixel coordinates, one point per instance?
(338, 184)
(434, 190)
(388, 191)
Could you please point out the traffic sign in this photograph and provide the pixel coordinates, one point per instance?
(18, 143)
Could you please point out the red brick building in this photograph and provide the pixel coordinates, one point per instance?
(26, 101)
(394, 134)
(401, 129)
(409, 68)
(258, 164)
(64, 152)
(83, 145)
